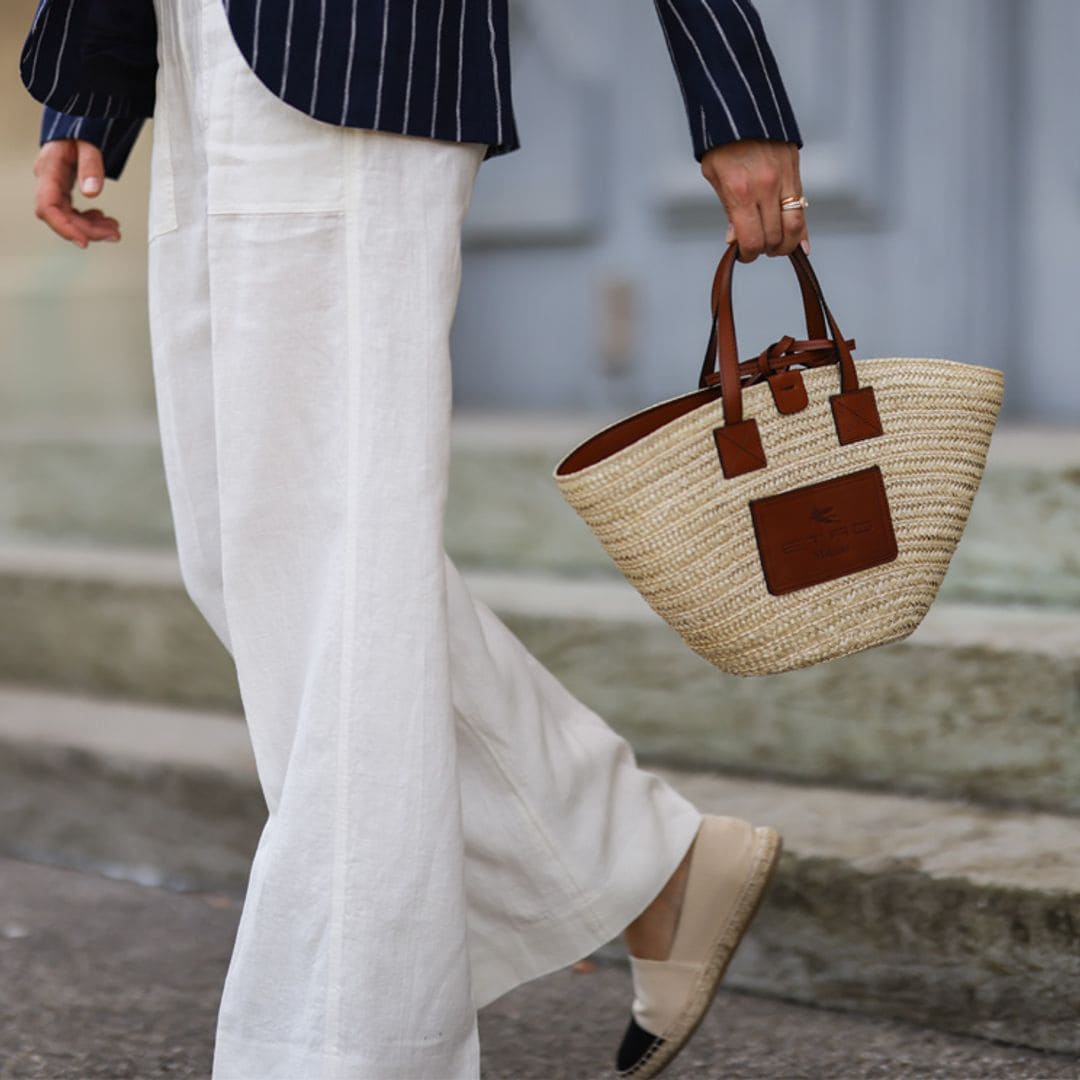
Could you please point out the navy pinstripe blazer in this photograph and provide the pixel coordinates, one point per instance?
(439, 68)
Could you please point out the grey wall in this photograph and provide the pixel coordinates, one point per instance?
(941, 159)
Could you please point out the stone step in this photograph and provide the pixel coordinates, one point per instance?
(951, 915)
(504, 512)
(981, 702)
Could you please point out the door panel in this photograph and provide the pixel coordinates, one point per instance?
(1044, 218)
(589, 252)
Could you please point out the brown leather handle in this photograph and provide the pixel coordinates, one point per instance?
(723, 356)
(815, 320)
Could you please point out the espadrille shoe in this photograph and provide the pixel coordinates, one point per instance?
(731, 865)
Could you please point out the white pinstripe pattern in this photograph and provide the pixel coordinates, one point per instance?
(63, 45)
(255, 33)
(495, 74)
(317, 68)
(348, 68)
(438, 64)
(382, 61)
(737, 65)
(52, 130)
(288, 44)
(764, 69)
(671, 53)
(715, 46)
(41, 37)
(412, 54)
(705, 68)
(460, 67)
(41, 8)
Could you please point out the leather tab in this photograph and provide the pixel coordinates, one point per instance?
(788, 392)
(855, 415)
(740, 448)
(824, 531)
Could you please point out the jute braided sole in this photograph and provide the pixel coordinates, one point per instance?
(766, 857)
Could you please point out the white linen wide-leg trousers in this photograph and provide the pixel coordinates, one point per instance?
(446, 820)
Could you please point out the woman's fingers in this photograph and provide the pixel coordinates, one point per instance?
(97, 225)
(749, 231)
(773, 220)
(91, 168)
(752, 177)
(58, 164)
(53, 206)
(794, 230)
(768, 196)
(62, 224)
(793, 221)
(80, 227)
(733, 174)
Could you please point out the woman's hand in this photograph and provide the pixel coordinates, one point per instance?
(752, 177)
(58, 164)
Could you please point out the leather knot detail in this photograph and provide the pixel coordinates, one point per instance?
(789, 352)
(781, 355)
(774, 352)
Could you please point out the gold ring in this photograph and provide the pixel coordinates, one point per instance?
(794, 202)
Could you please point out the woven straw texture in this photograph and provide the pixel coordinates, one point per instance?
(682, 533)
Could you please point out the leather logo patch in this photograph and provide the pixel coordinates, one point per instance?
(824, 531)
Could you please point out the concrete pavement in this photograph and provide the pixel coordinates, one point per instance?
(109, 979)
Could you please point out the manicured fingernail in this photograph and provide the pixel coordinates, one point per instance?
(91, 185)
(730, 234)
(805, 245)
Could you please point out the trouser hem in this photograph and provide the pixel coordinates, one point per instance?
(579, 931)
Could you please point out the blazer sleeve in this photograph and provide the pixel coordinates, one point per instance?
(114, 136)
(93, 66)
(730, 83)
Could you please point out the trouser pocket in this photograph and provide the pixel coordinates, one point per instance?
(161, 213)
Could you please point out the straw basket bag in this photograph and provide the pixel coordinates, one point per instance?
(794, 508)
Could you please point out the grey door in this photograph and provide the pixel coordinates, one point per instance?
(941, 159)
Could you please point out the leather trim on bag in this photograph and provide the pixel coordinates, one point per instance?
(625, 432)
(855, 414)
(739, 446)
(788, 392)
(824, 531)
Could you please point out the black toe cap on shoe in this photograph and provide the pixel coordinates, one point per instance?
(637, 1044)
